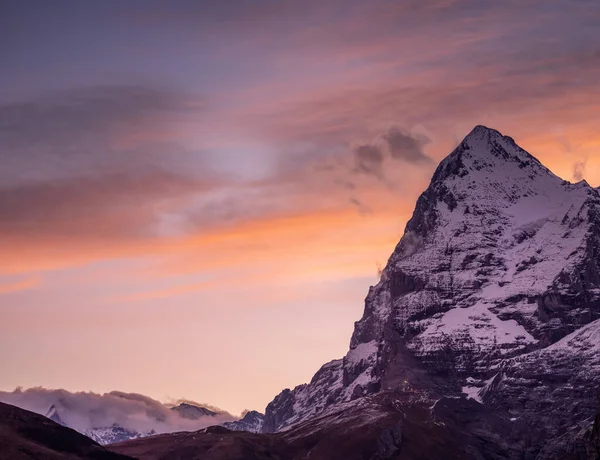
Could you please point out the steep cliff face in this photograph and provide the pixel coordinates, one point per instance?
(487, 294)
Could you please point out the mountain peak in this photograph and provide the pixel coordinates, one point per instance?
(481, 131)
(486, 154)
(251, 421)
(192, 412)
(53, 415)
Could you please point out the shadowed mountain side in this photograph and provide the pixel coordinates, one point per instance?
(389, 425)
(587, 445)
(25, 435)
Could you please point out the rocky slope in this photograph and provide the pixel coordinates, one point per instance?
(385, 426)
(493, 292)
(25, 435)
(587, 443)
(252, 421)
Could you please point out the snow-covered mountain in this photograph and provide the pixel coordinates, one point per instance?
(493, 292)
(102, 435)
(111, 432)
(252, 421)
(114, 433)
(52, 414)
(191, 412)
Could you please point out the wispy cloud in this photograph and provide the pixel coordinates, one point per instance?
(16, 286)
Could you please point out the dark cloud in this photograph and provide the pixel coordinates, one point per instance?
(67, 166)
(360, 206)
(113, 205)
(79, 131)
(395, 144)
(369, 159)
(405, 147)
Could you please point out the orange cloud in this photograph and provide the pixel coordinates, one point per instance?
(19, 286)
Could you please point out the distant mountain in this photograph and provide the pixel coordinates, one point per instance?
(102, 434)
(52, 414)
(252, 421)
(114, 433)
(192, 412)
(493, 293)
(25, 435)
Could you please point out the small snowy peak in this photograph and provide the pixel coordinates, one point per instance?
(485, 154)
(53, 415)
(114, 434)
(488, 147)
(252, 422)
(192, 412)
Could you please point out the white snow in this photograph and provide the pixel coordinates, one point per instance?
(583, 341)
(483, 326)
(472, 393)
(362, 352)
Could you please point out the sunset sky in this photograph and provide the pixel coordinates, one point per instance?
(195, 196)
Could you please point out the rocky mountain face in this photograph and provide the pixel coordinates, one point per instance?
(493, 293)
(252, 421)
(587, 443)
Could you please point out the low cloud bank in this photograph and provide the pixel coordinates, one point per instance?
(86, 410)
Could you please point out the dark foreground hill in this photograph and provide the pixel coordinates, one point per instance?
(25, 435)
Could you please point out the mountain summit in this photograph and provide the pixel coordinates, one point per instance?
(492, 293)
(53, 415)
(192, 412)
